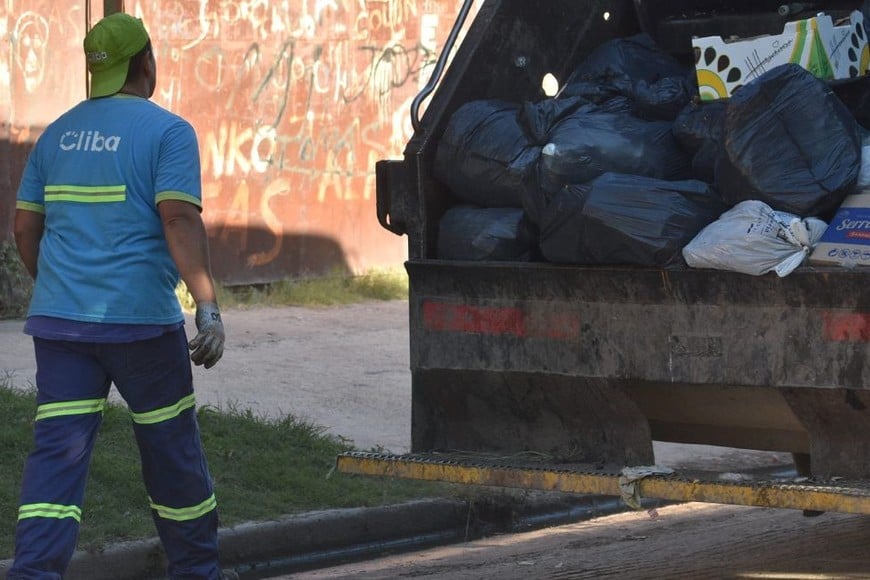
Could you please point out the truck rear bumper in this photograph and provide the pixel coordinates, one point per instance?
(785, 491)
(592, 364)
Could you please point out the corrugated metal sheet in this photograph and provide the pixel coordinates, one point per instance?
(293, 102)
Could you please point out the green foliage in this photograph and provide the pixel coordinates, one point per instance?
(332, 290)
(263, 469)
(15, 283)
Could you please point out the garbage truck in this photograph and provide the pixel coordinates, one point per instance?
(559, 374)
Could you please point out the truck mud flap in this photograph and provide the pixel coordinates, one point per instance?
(753, 489)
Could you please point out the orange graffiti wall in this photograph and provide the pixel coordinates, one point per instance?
(293, 102)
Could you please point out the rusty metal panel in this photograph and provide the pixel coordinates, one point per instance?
(41, 74)
(293, 102)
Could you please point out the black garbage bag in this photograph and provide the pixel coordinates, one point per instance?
(664, 99)
(540, 118)
(485, 156)
(474, 233)
(585, 145)
(855, 94)
(594, 91)
(700, 123)
(636, 68)
(789, 142)
(622, 62)
(627, 219)
(704, 162)
(698, 129)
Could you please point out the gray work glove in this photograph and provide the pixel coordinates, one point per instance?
(208, 344)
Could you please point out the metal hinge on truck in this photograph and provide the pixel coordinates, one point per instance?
(391, 193)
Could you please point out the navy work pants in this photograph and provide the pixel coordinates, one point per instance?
(154, 378)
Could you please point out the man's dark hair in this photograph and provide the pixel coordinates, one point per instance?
(134, 71)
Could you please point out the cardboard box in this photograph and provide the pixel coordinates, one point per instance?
(846, 241)
(830, 52)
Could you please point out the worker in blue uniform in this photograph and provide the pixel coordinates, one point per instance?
(107, 221)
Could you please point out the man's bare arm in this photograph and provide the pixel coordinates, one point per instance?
(188, 245)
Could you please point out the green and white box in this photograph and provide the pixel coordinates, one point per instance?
(829, 50)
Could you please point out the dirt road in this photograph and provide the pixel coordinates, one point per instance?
(344, 368)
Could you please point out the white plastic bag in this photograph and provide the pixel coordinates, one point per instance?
(752, 238)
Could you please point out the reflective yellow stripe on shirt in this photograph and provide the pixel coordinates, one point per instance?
(185, 514)
(86, 194)
(82, 407)
(30, 206)
(49, 510)
(165, 413)
(177, 196)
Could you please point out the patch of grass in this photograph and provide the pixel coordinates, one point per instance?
(262, 468)
(331, 290)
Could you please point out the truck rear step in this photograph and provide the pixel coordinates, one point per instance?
(750, 489)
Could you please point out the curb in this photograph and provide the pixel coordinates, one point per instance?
(321, 538)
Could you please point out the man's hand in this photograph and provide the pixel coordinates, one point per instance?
(208, 344)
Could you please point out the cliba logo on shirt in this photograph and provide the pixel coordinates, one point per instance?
(88, 141)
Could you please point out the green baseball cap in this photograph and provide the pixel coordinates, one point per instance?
(109, 45)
